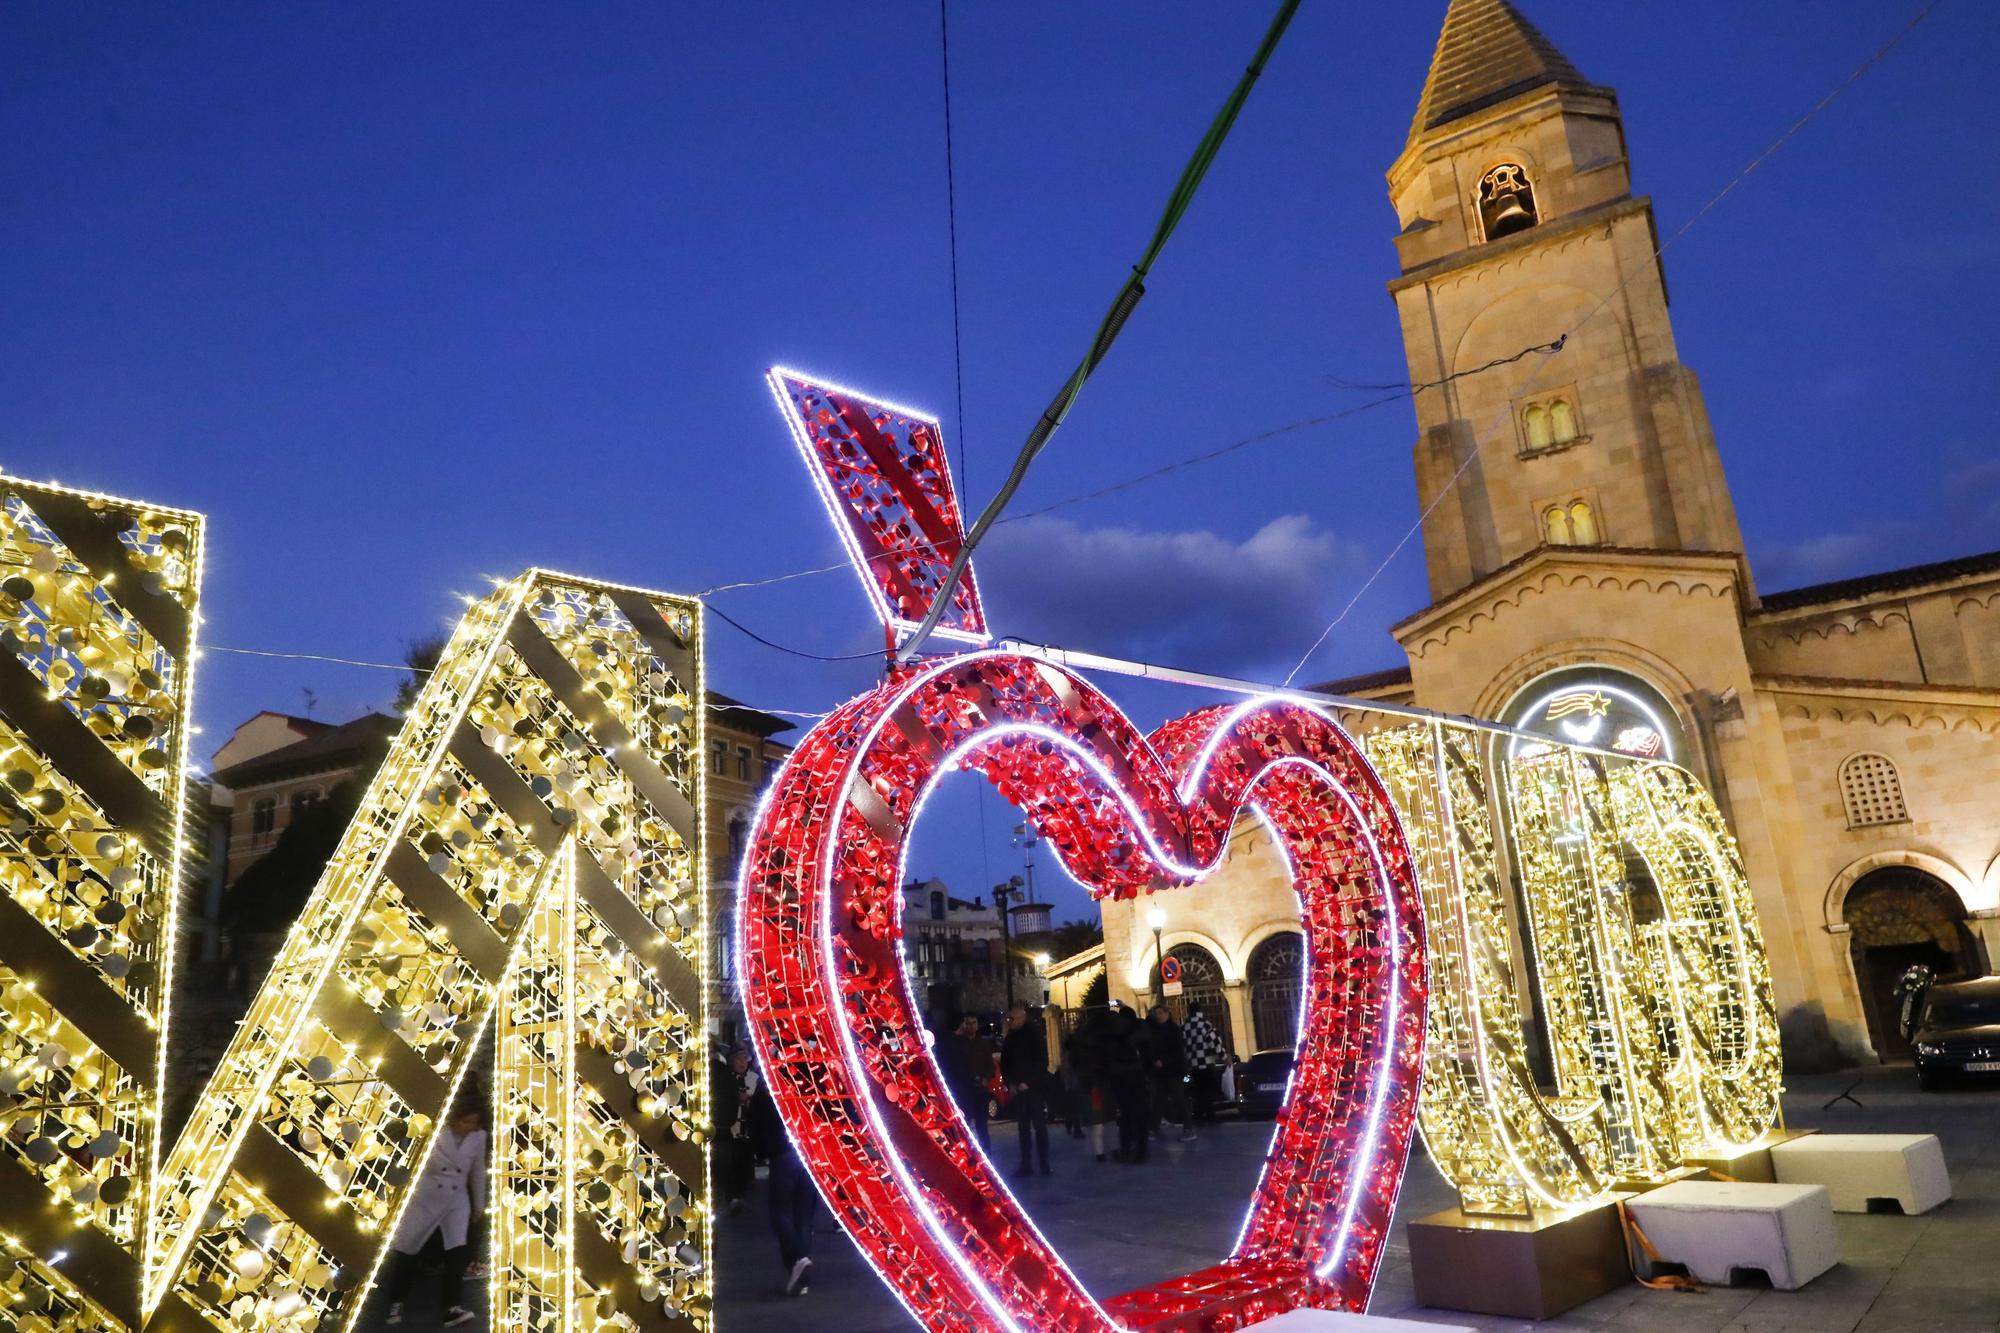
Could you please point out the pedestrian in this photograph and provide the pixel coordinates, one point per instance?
(1088, 1055)
(1207, 1057)
(1169, 1072)
(735, 1160)
(448, 1196)
(1024, 1064)
(1069, 1089)
(794, 1199)
(1126, 1063)
(967, 1063)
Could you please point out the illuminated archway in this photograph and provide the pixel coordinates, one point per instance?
(1600, 706)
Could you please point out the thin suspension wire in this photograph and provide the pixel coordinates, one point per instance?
(951, 230)
(405, 667)
(1403, 390)
(311, 657)
(1108, 328)
(1532, 381)
(730, 620)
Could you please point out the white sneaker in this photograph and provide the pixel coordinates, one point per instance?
(395, 1314)
(457, 1315)
(795, 1285)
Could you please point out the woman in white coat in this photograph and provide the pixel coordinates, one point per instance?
(450, 1194)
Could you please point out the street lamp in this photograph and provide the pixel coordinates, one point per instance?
(1157, 919)
(1012, 888)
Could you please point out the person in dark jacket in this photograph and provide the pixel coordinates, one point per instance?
(1024, 1064)
(794, 1199)
(966, 1062)
(735, 1167)
(1089, 1056)
(1166, 1065)
(1126, 1061)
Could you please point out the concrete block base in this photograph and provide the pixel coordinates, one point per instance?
(1716, 1229)
(1336, 1321)
(1530, 1268)
(1859, 1168)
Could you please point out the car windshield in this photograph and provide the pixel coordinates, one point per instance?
(1977, 1009)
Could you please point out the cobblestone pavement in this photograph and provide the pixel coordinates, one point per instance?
(1122, 1226)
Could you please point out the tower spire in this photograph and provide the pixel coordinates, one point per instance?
(1487, 53)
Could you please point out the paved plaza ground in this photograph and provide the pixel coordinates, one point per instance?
(1124, 1226)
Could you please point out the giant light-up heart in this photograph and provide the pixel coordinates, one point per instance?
(837, 1030)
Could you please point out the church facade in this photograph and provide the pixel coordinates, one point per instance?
(1582, 544)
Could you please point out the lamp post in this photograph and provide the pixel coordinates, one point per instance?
(1001, 893)
(1157, 919)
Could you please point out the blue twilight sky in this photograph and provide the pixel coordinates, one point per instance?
(405, 295)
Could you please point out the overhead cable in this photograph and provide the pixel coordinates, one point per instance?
(1107, 330)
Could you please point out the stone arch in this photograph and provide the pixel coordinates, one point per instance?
(1275, 977)
(1675, 691)
(1833, 908)
(1255, 936)
(1899, 916)
(1173, 937)
(1515, 154)
(1650, 667)
(1204, 978)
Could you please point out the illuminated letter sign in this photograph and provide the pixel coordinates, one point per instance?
(1651, 975)
(530, 847)
(97, 600)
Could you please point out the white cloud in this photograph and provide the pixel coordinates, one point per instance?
(1192, 598)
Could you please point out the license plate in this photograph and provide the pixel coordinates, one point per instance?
(1983, 1067)
(1279, 1087)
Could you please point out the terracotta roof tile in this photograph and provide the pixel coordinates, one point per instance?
(1892, 580)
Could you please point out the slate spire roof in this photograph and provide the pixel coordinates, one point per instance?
(1486, 54)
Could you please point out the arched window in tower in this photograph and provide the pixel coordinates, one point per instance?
(1872, 791)
(1582, 524)
(1540, 434)
(1506, 201)
(1555, 526)
(1562, 422)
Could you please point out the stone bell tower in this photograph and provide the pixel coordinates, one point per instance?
(1517, 226)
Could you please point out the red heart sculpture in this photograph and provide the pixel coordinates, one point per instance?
(836, 1025)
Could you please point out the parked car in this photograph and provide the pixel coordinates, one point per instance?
(1261, 1082)
(1957, 1033)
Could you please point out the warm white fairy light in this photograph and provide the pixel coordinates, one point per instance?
(1576, 822)
(232, 1247)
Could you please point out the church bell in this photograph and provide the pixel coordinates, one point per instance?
(1508, 212)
